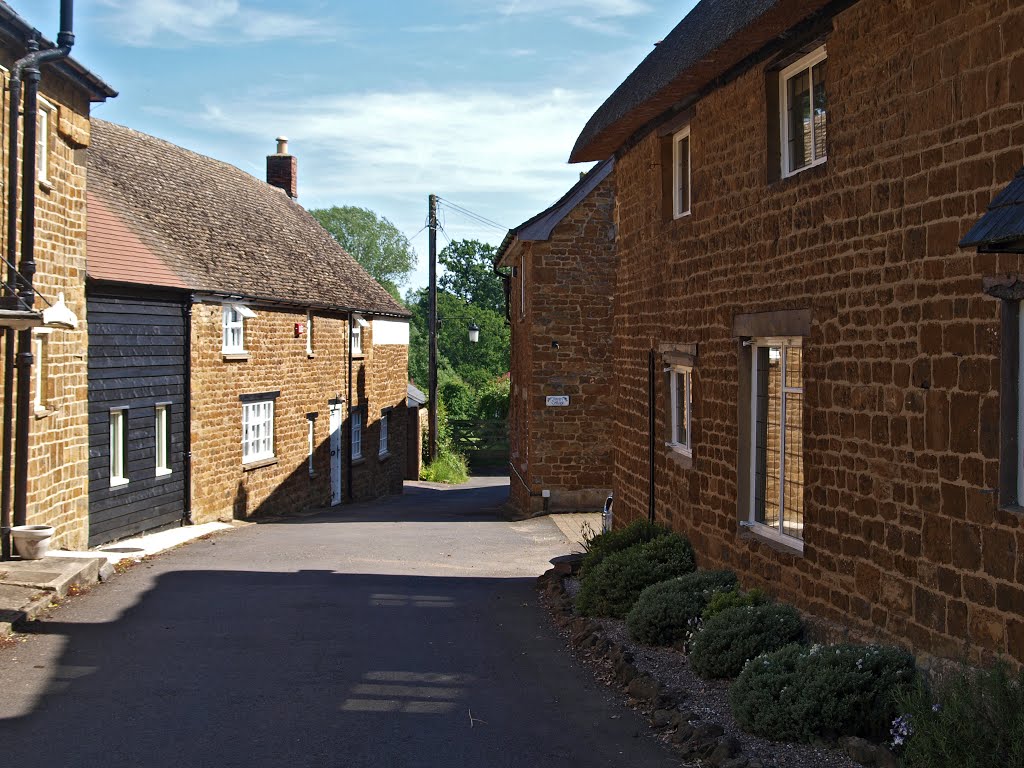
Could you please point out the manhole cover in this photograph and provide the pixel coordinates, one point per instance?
(122, 550)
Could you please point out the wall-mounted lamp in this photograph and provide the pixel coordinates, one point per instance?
(474, 333)
(554, 344)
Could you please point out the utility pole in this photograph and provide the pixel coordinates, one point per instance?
(432, 322)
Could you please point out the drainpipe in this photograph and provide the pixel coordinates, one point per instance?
(348, 452)
(650, 434)
(28, 69)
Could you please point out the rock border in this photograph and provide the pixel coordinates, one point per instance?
(704, 741)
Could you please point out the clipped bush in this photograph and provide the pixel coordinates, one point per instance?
(729, 639)
(604, 544)
(613, 586)
(972, 720)
(664, 612)
(801, 693)
(733, 598)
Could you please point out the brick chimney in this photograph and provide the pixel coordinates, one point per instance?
(283, 169)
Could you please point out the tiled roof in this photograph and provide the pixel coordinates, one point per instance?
(117, 254)
(222, 231)
(1001, 229)
(713, 38)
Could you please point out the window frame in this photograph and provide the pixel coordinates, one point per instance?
(257, 406)
(675, 372)
(356, 438)
(45, 111)
(162, 439)
(804, 63)
(678, 212)
(384, 438)
(311, 440)
(118, 447)
(775, 533)
(229, 324)
(41, 370)
(309, 333)
(356, 339)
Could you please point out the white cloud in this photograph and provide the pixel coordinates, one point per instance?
(382, 144)
(173, 23)
(604, 9)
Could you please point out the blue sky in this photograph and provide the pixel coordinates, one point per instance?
(383, 102)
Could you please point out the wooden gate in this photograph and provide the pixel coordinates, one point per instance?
(484, 443)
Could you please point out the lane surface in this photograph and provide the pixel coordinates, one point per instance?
(365, 636)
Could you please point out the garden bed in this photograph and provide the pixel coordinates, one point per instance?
(685, 710)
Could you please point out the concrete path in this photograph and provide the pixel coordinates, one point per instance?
(400, 633)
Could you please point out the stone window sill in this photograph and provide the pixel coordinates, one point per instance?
(259, 464)
(311, 356)
(357, 461)
(679, 455)
(384, 456)
(240, 357)
(42, 413)
(46, 185)
(778, 542)
(358, 355)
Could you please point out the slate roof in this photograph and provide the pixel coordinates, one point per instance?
(414, 396)
(713, 38)
(220, 230)
(16, 31)
(1001, 229)
(543, 224)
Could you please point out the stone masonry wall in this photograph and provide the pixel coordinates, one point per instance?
(278, 361)
(59, 444)
(521, 371)
(904, 540)
(572, 290)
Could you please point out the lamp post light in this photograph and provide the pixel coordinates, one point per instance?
(474, 333)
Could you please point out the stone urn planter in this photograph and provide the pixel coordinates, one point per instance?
(32, 541)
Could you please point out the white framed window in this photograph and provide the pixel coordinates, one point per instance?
(803, 100)
(163, 439)
(46, 113)
(357, 434)
(234, 317)
(777, 463)
(118, 447)
(384, 437)
(680, 409)
(257, 431)
(681, 173)
(311, 436)
(40, 368)
(357, 339)
(309, 334)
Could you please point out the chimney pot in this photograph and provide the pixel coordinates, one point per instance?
(282, 169)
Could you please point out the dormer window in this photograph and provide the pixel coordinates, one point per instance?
(234, 319)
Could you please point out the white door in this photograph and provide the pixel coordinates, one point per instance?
(336, 445)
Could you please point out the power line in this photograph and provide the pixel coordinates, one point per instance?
(476, 217)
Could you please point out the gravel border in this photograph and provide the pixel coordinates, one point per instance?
(687, 711)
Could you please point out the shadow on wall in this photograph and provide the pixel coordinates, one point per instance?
(316, 687)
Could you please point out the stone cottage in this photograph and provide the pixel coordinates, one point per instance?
(809, 369)
(560, 296)
(58, 451)
(241, 362)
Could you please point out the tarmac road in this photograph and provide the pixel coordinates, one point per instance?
(404, 632)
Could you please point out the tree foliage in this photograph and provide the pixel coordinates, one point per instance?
(469, 275)
(377, 244)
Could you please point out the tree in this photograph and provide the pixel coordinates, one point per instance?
(373, 241)
(469, 274)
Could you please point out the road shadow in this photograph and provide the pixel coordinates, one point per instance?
(316, 668)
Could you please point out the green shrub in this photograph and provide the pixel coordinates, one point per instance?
(448, 467)
(604, 544)
(973, 720)
(733, 598)
(799, 693)
(729, 639)
(665, 612)
(611, 588)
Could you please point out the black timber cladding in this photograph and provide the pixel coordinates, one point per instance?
(137, 360)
